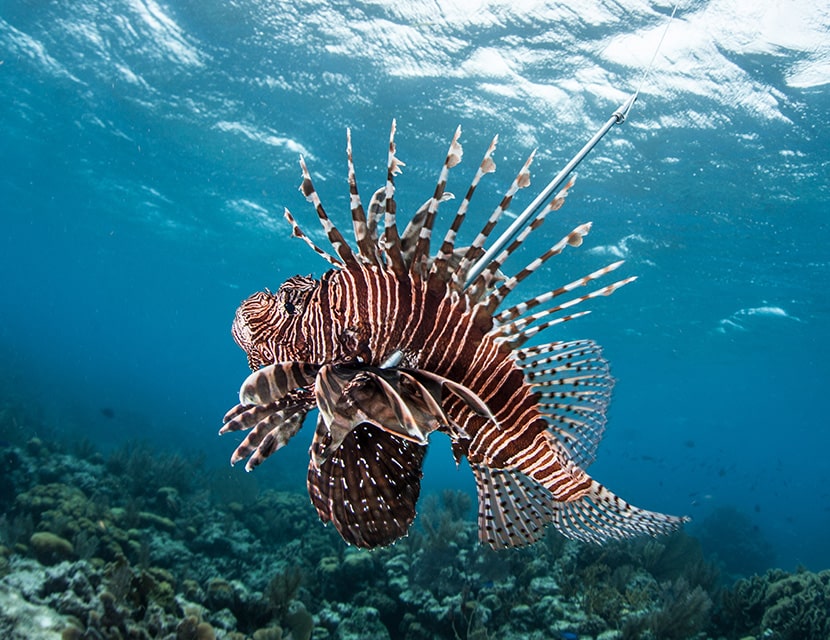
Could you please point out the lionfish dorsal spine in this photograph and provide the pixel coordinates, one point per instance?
(447, 249)
(574, 238)
(421, 254)
(475, 250)
(519, 309)
(366, 239)
(298, 233)
(392, 240)
(520, 324)
(341, 247)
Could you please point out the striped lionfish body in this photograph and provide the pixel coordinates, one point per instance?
(393, 343)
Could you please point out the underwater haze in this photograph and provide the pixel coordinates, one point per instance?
(150, 146)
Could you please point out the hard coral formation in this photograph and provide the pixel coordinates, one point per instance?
(778, 605)
(124, 547)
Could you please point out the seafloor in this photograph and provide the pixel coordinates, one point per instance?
(141, 543)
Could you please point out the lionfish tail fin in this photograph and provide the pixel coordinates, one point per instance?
(600, 516)
(512, 509)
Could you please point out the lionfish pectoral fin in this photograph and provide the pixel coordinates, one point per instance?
(513, 510)
(276, 381)
(369, 486)
(332, 425)
(272, 426)
(573, 384)
(329, 435)
(282, 429)
(408, 425)
(348, 397)
(467, 395)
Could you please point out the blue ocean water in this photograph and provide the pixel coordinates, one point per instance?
(148, 149)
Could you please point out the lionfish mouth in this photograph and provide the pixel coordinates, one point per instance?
(394, 343)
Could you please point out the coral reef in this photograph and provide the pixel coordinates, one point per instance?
(126, 546)
(777, 605)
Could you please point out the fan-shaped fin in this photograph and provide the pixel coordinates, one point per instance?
(583, 384)
(600, 516)
(513, 510)
(368, 487)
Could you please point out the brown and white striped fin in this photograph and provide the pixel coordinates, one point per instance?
(422, 251)
(467, 395)
(276, 439)
(574, 383)
(276, 381)
(375, 213)
(298, 233)
(369, 486)
(447, 249)
(341, 247)
(245, 416)
(391, 238)
(367, 247)
(600, 516)
(518, 331)
(349, 396)
(521, 308)
(583, 508)
(513, 510)
(270, 434)
(521, 181)
(409, 239)
(516, 340)
(574, 238)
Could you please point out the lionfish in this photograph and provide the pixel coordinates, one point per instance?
(393, 343)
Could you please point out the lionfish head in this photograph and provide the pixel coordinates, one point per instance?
(268, 326)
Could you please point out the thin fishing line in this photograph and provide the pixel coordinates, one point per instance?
(648, 69)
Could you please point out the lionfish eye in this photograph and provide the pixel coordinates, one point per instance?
(289, 307)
